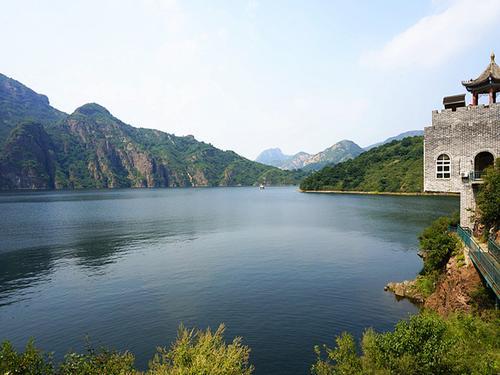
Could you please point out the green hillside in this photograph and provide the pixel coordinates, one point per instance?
(392, 167)
(43, 148)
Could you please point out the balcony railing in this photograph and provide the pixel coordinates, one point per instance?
(476, 175)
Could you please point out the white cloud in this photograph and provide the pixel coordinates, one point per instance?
(436, 38)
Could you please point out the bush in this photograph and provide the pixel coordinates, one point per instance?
(98, 362)
(424, 344)
(32, 361)
(194, 352)
(198, 352)
(426, 284)
(437, 244)
(343, 358)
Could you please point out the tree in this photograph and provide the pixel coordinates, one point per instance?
(488, 198)
(437, 244)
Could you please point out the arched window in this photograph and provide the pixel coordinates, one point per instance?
(482, 161)
(443, 166)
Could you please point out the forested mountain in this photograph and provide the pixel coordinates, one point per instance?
(19, 103)
(43, 148)
(393, 167)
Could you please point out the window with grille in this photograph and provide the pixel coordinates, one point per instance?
(443, 166)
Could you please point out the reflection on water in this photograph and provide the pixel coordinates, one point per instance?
(282, 269)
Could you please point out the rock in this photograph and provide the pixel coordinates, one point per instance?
(453, 291)
(405, 289)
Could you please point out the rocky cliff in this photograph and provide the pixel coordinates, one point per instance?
(454, 291)
(43, 148)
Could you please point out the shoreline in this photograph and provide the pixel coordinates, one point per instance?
(379, 193)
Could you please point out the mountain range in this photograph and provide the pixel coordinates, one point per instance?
(339, 152)
(410, 133)
(44, 148)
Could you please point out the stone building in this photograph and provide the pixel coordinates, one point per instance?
(463, 140)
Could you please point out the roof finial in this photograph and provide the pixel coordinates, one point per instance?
(492, 56)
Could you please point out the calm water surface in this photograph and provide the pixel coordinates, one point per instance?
(284, 270)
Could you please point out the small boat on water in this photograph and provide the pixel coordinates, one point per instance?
(262, 187)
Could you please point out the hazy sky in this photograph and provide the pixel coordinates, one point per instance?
(252, 74)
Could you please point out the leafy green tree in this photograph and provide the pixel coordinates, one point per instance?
(488, 199)
(437, 244)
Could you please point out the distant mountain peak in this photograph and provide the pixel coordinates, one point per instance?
(92, 109)
(19, 103)
(273, 157)
(340, 151)
(410, 133)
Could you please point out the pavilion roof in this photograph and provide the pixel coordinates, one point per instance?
(490, 75)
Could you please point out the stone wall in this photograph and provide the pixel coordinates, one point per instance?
(461, 135)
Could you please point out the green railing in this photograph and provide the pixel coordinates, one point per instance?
(494, 249)
(484, 261)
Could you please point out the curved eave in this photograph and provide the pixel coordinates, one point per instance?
(482, 86)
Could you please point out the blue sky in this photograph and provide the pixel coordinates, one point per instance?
(252, 74)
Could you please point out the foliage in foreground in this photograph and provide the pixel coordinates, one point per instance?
(488, 199)
(194, 352)
(392, 167)
(425, 344)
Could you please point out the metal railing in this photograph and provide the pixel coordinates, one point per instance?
(476, 175)
(494, 249)
(484, 261)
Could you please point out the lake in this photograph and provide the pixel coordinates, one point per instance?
(283, 269)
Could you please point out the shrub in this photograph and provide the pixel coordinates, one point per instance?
(202, 352)
(98, 362)
(437, 244)
(426, 284)
(424, 344)
(194, 352)
(343, 359)
(32, 361)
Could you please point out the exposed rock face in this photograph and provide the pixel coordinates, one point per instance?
(339, 152)
(297, 161)
(93, 149)
(19, 103)
(406, 289)
(453, 292)
(28, 159)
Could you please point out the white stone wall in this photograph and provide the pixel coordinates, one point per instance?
(461, 135)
